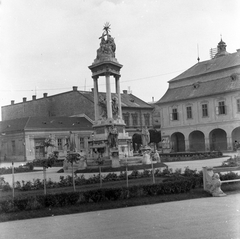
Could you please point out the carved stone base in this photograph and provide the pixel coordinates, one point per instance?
(212, 183)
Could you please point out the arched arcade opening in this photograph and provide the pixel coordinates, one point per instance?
(218, 140)
(196, 141)
(235, 136)
(178, 142)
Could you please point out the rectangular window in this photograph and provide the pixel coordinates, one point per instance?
(238, 105)
(13, 147)
(68, 143)
(204, 110)
(189, 112)
(174, 114)
(81, 143)
(134, 119)
(60, 144)
(126, 119)
(222, 108)
(147, 119)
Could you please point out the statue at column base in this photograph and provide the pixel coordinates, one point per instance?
(146, 159)
(113, 137)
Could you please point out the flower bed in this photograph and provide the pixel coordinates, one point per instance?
(189, 156)
(94, 196)
(67, 181)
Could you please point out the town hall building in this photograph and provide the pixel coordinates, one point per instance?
(201, 109)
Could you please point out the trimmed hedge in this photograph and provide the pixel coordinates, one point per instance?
(95, 196)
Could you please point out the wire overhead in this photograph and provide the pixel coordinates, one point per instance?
(84, 87)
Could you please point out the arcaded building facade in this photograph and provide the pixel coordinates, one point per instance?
(201, 109)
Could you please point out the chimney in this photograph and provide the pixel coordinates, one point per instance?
(12, 102)
(44, 95)
(24, 99)
(75, 88)
(34, 97)
(152, 99)
(124, 91)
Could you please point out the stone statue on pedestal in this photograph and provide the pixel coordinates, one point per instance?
(113, 137)
(215, 186)
(145, 136)
(107, 46)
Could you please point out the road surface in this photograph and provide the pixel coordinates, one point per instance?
(197, 218)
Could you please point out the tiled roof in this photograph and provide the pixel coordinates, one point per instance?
(128, 100)
(45, 123)
(209, 66)
(58, 123)
(203, 89)
(15, 125)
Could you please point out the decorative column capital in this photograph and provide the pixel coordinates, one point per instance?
(95, 77)
(107, 74)
(117, 77)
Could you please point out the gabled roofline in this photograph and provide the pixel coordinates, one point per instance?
(197, 97)
(206, 73)
(83, 115)
(51, 96)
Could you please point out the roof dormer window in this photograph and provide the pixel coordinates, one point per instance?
(196, 85)
(234, 77)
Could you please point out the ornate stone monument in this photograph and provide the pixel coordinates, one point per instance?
(110, 141)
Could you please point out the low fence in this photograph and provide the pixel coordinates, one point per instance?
(208, 173)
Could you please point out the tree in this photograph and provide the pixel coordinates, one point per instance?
(73, 157)
(48, 161)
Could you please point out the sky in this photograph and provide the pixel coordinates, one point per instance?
(46, 46)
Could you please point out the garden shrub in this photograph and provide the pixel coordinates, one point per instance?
(167, 188)
(48, 200)
(6, 206)
(113, 194)
(98, 195)
(94, 195)
(134, 191)
(150, 190)
(26, 186)
(135, 174)
(111, 177)
(21, 203)
(6, 187)
(160, 189)
(178, 186)
(229, 176)
(61, 199)
(72, 198)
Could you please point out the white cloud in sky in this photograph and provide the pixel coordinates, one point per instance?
(47, 45)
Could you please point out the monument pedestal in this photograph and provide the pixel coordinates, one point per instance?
(114, 156)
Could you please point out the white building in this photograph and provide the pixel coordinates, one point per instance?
(201, 109)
